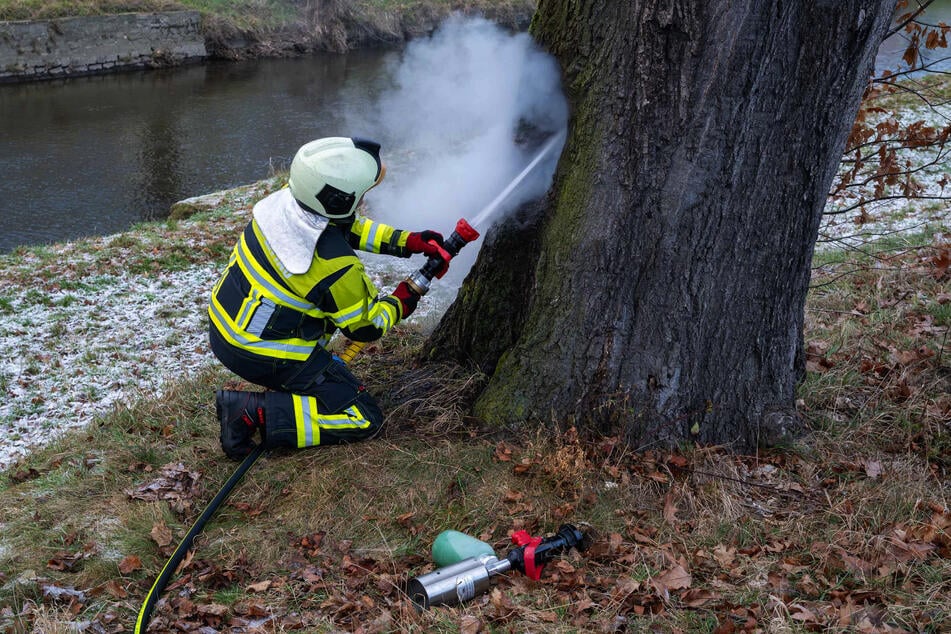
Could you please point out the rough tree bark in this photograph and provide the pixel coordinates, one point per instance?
(660, 287)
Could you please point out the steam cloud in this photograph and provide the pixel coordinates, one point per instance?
(450, 122)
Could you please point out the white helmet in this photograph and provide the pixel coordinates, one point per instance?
(330, 176)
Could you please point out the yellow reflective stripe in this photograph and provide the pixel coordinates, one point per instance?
(365, 228)
(307, 420)
(250, 303)
(350, 314)
(302, 428)
(381, 314)
(261, 278)
(386, 318)
(374, 234)
(314, 420)
(282, 350)
(375, 241)
(351, 418)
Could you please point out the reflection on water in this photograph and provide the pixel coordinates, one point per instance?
(94, 155)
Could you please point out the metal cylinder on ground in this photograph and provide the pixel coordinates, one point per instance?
(457, 583)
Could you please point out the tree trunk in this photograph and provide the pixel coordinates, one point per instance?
(662, 290)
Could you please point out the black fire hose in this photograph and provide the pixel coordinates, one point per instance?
(142, 623)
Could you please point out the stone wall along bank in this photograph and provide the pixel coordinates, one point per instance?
(86, 45)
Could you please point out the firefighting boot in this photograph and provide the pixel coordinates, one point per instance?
(240, 415)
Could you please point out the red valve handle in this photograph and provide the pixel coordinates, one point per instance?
(522, 538)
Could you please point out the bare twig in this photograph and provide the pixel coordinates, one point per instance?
(917, 69)
(898, 28)
(771, 487)
(864, 202)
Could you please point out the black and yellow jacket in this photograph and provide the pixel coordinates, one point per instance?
(262, 308)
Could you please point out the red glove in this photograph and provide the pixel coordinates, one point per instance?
(408, 298)
(429, 243)
(422, 242)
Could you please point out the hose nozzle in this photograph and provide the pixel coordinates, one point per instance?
(463, 235)
(464, 232)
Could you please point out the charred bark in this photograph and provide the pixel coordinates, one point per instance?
(490, 309)
(669, 272)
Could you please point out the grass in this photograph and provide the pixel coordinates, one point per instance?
(847, 530)
(324, 539)
(244, 14)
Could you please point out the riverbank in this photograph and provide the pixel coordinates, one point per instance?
(49, 38)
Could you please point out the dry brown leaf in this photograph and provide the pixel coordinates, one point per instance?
(614, 542)
(546, 616)
(854, 564)
(115, 589)
(175, 482)
(212, 609)
(129, 563)
(675, 578)
(161, 534)
(624, 587)
(724, 555)
(657, 476)
(512, 496)
(261, 586)
(801, 613)
(186, 561)
(677, 460)
(503, 452)
(584, 602)
(904, 551)
(670, 508)
(696, 597)
(470, 624)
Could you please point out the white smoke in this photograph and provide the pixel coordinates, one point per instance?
(449, 124)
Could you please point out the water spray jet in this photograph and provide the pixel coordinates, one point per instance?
(493, 206)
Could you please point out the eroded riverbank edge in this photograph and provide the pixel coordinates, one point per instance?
(74, 46)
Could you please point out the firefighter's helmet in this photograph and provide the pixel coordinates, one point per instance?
(330, 176)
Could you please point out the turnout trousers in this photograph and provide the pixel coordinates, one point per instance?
(313, 402)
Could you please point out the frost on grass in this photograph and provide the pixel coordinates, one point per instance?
(74, 358)
(848, 223)
(80, 333)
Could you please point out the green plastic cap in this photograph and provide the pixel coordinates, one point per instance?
(451, 547)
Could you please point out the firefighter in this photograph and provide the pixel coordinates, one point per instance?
(292, 281)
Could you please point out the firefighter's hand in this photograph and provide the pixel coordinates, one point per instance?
(427, 242)
(408, 298)
(431, 244)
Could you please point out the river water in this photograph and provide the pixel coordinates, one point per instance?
(94, 155)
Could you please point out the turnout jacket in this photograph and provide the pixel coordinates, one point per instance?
(259, 306)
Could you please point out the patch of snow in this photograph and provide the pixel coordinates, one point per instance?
(75, 354)
(888, 217)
